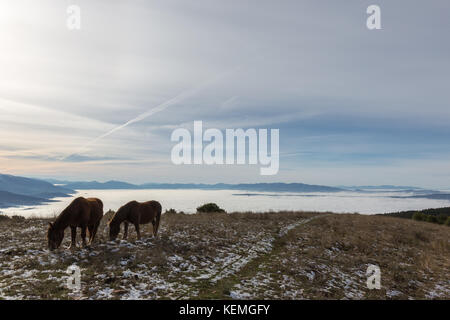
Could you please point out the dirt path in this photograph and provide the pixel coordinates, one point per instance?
(218, 287)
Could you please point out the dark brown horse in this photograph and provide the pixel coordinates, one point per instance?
(82, 213)
(135, 213)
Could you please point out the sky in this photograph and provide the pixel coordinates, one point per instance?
(354, 106)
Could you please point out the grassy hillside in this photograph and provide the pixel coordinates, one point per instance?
(409, 214)
(438, 215)
(284, 255)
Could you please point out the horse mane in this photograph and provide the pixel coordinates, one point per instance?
(122, 212)
(61, 219)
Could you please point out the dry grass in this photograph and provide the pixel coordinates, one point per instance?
(241, 255)
(328, 258)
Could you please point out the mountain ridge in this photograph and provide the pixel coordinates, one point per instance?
(278, 186)
(8, 199)
(21, 191)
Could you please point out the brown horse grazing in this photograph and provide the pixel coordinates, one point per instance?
(136, 213)
(82, 213)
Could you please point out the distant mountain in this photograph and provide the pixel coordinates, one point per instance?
(57, 182)
(435, 196)
(8, 199)
(388, 188)
(384, 187)
(21, 191)
(82, 185)
(263, 187)
(280, 187)
(31, 187)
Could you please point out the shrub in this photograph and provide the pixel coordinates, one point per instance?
(210, 207)
(447, 222)
(170, 211)
(441, 218)
(431, 218)
(419, 216)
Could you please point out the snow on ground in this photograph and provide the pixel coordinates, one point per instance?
(168, 267)
(191, 255)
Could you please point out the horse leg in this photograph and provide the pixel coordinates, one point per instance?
(91, 232)
(73, 233)
(156, 223)
(94, 232)
(153, 226)
(83, 235)
(125, 230)
(136, 226)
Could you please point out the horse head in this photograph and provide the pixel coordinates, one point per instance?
(114, 228)
(54, 236)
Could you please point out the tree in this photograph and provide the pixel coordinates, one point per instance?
(419, 216)
(210, 207)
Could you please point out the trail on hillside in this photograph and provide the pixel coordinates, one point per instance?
(246, 264)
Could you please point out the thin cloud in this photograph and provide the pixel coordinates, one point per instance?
(177, 99)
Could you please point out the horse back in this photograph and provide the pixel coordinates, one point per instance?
(148, 211)
(96, 210)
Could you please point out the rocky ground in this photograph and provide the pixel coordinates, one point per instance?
(283, 255)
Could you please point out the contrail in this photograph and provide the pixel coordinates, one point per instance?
(180, 97)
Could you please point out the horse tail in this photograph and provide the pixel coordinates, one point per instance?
(157, 218)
